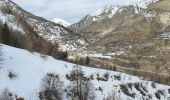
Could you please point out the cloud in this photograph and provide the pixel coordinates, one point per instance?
(69, 10)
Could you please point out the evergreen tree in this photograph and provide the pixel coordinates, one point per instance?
(87, 60)
(5, 35)
(114, 68)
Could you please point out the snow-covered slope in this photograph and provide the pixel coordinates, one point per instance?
(17, 17)
(112, 9)
(30, 68)
(61, 22)
(109, 11)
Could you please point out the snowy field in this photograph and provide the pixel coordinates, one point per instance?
(30, 68)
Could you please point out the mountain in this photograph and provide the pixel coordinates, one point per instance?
(27, 79)
(133, 38)
(140, 31)
(20, 20)
(109, 19)
(60, 21)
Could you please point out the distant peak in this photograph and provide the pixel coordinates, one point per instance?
(105, 9)
(60, 21)
(112, 9)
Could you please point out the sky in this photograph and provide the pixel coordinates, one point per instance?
(69, 10)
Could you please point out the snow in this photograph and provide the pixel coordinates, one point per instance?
(49, 31)
(104, 9)
(30, 68)
(99, 55)
(144, 3)
(164, 36)
(95, 19)
(67, 47)
(11, 21)
(116, 53)
(54, 33)
(114, 10)
(107, 56)
(2, 17)
(138, 4)
(60, 21)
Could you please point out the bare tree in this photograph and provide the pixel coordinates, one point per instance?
(76, 76)
(81, 88)
(51, 87)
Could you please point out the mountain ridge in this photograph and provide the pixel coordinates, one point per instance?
(48, 30)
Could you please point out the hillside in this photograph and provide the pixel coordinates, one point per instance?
(29, 24)
(30, 67)
(117, 23)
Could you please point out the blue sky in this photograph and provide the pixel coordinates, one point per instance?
(69, 10)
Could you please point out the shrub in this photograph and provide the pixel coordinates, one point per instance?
(12, 75)
(51, 87)
(153, 85)
(106, 75)
(126, 91)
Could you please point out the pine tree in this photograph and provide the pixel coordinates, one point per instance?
(87, 60)
(114, 68)
(5, 34)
